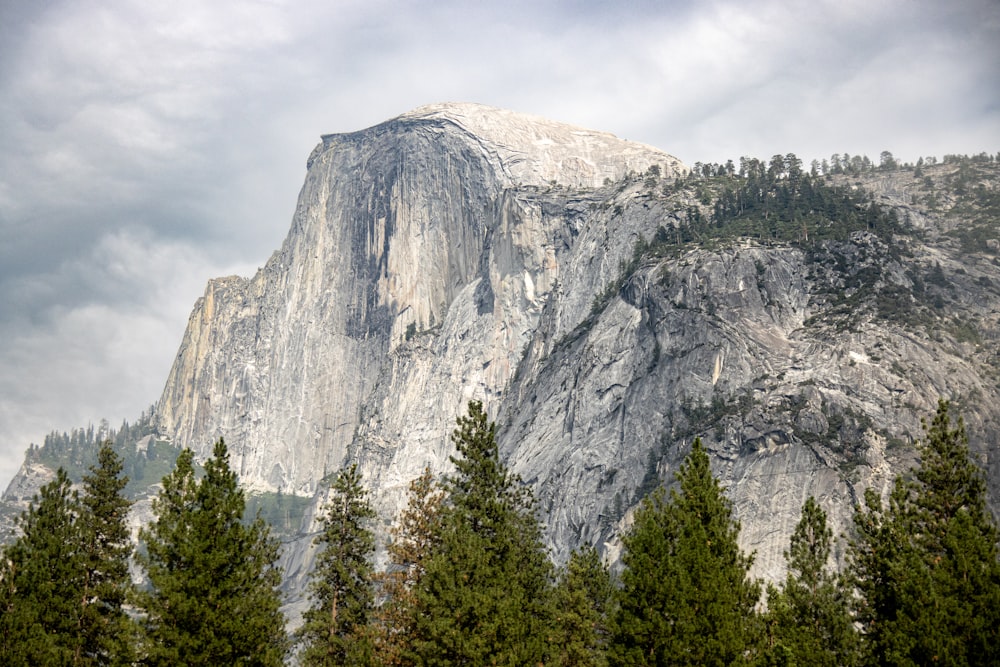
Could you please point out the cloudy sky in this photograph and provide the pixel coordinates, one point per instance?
(146, 147)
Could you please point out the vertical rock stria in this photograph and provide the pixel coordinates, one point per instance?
(411, 280)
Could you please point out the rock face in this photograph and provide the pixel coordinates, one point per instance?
(720, 344)
(462, 252)
(411, 280)
(18, 496)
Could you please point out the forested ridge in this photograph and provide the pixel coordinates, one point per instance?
(146, 457)
(469, 581)
(781, 203)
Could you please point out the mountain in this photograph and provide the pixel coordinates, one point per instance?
(607, 305)
(402, 227)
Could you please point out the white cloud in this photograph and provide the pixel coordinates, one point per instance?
(106, 355)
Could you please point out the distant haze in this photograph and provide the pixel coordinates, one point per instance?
(145, 148)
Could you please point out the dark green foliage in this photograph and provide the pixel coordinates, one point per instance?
(213, 598)
(700, 418)
(107, 634)
(21, 639)
(145, 466)
(809, 620)
(685, 597)
(484, 595)
(77, 449)
(887, 573)
(774, 202)
(66, 579)
(43, 582)
(581, 602)
(334, 631)
(926, 566)
(782, 203)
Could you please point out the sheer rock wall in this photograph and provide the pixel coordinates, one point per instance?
(406, 233)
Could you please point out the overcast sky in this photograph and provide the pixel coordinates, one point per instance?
(146, 147)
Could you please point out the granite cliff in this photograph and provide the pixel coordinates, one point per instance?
(463, 252)
(410, 227)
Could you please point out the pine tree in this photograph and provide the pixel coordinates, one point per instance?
(685, 597)
(42, 582)
(213, 597)
(414, 538)
(886, 570)
(65, 580)
(484, 596)
(335, 630)
(809, 618)
(17, 622)
(107, 633)
(580, 603)
(927, 566)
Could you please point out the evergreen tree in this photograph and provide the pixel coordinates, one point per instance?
(926, 566)
(483, 598)
(66, 578)
(414, 538)
(213, 597)
(885, 569)
(18, 630)
(42, 582)
(334, 632)
(809, 619)
(685, 597)
(107, 633)
(580, 603)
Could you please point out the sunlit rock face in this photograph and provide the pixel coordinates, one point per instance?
(412, 278)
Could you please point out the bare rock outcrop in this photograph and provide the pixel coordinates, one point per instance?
(410, 227)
